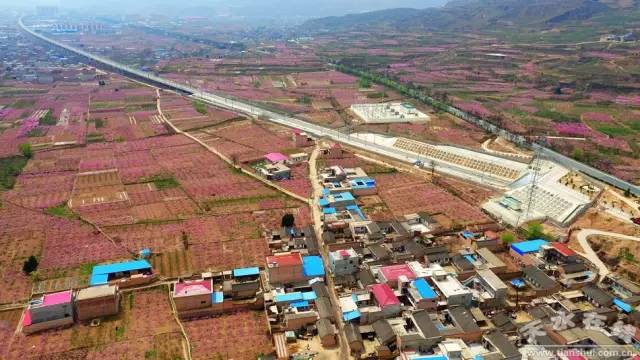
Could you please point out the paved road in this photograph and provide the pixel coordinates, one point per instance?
(591, 255)
(317, 221)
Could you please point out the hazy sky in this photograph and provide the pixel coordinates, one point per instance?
(235, 8)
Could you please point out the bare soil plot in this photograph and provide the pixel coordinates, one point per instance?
(217, 337)
(99, 187)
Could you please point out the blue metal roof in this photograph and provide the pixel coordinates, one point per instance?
(312, 266)
(518, 283)
(329, 210)
(468, 235)
(300, 304)
(249, 271)
(356, 208)
(424, 289)
(622, 305)
(527, 247)
(343, 196)
(288, 297)
(351, 315)
(362, 183)
(309, 295)
(469, 258)
(217, 297)
(121, 266)
(429, 357)
(327, 198)
(98, 279)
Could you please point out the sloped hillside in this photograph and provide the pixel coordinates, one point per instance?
(478, 15)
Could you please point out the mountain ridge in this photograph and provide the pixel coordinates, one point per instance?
(476, 15)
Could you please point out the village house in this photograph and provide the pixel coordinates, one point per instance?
(302, 139)
(327, 333)
(386, 299)
(419, 223)
(298, 158)
(421, 295)
(337, 201)
(496, 341)
(488, 289)
(97, 302)
(395, 275)
(490, 261)
(354, 338)
(525, 252)
(333, 152)
(539, 282)
(451, 289)
(344, 262)
(245, 283)
(285, 268)
(275, 171)
(301, 239)
(597, 296)
(332, 175)
(124, 274)
(621, 286)
(49, 311)
(193, 295)
(415, 332)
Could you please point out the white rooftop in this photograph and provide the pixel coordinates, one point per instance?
(450, 286)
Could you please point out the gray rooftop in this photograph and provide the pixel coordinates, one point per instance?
(542, 280)
(462, 317)
(502, 344)
(598, 295)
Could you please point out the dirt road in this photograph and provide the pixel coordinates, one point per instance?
(591, 255)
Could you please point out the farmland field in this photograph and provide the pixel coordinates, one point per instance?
(530, 86)
(144, 326)
(217, 337)
(141, 185)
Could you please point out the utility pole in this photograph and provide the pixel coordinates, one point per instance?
(535, 164)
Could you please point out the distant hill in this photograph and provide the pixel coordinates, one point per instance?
(477, 14)
(282, 10)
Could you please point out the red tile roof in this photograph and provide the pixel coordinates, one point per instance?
(291, 259)
(563, 249)
(384, 295)
(393, 272)
(191, 288)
